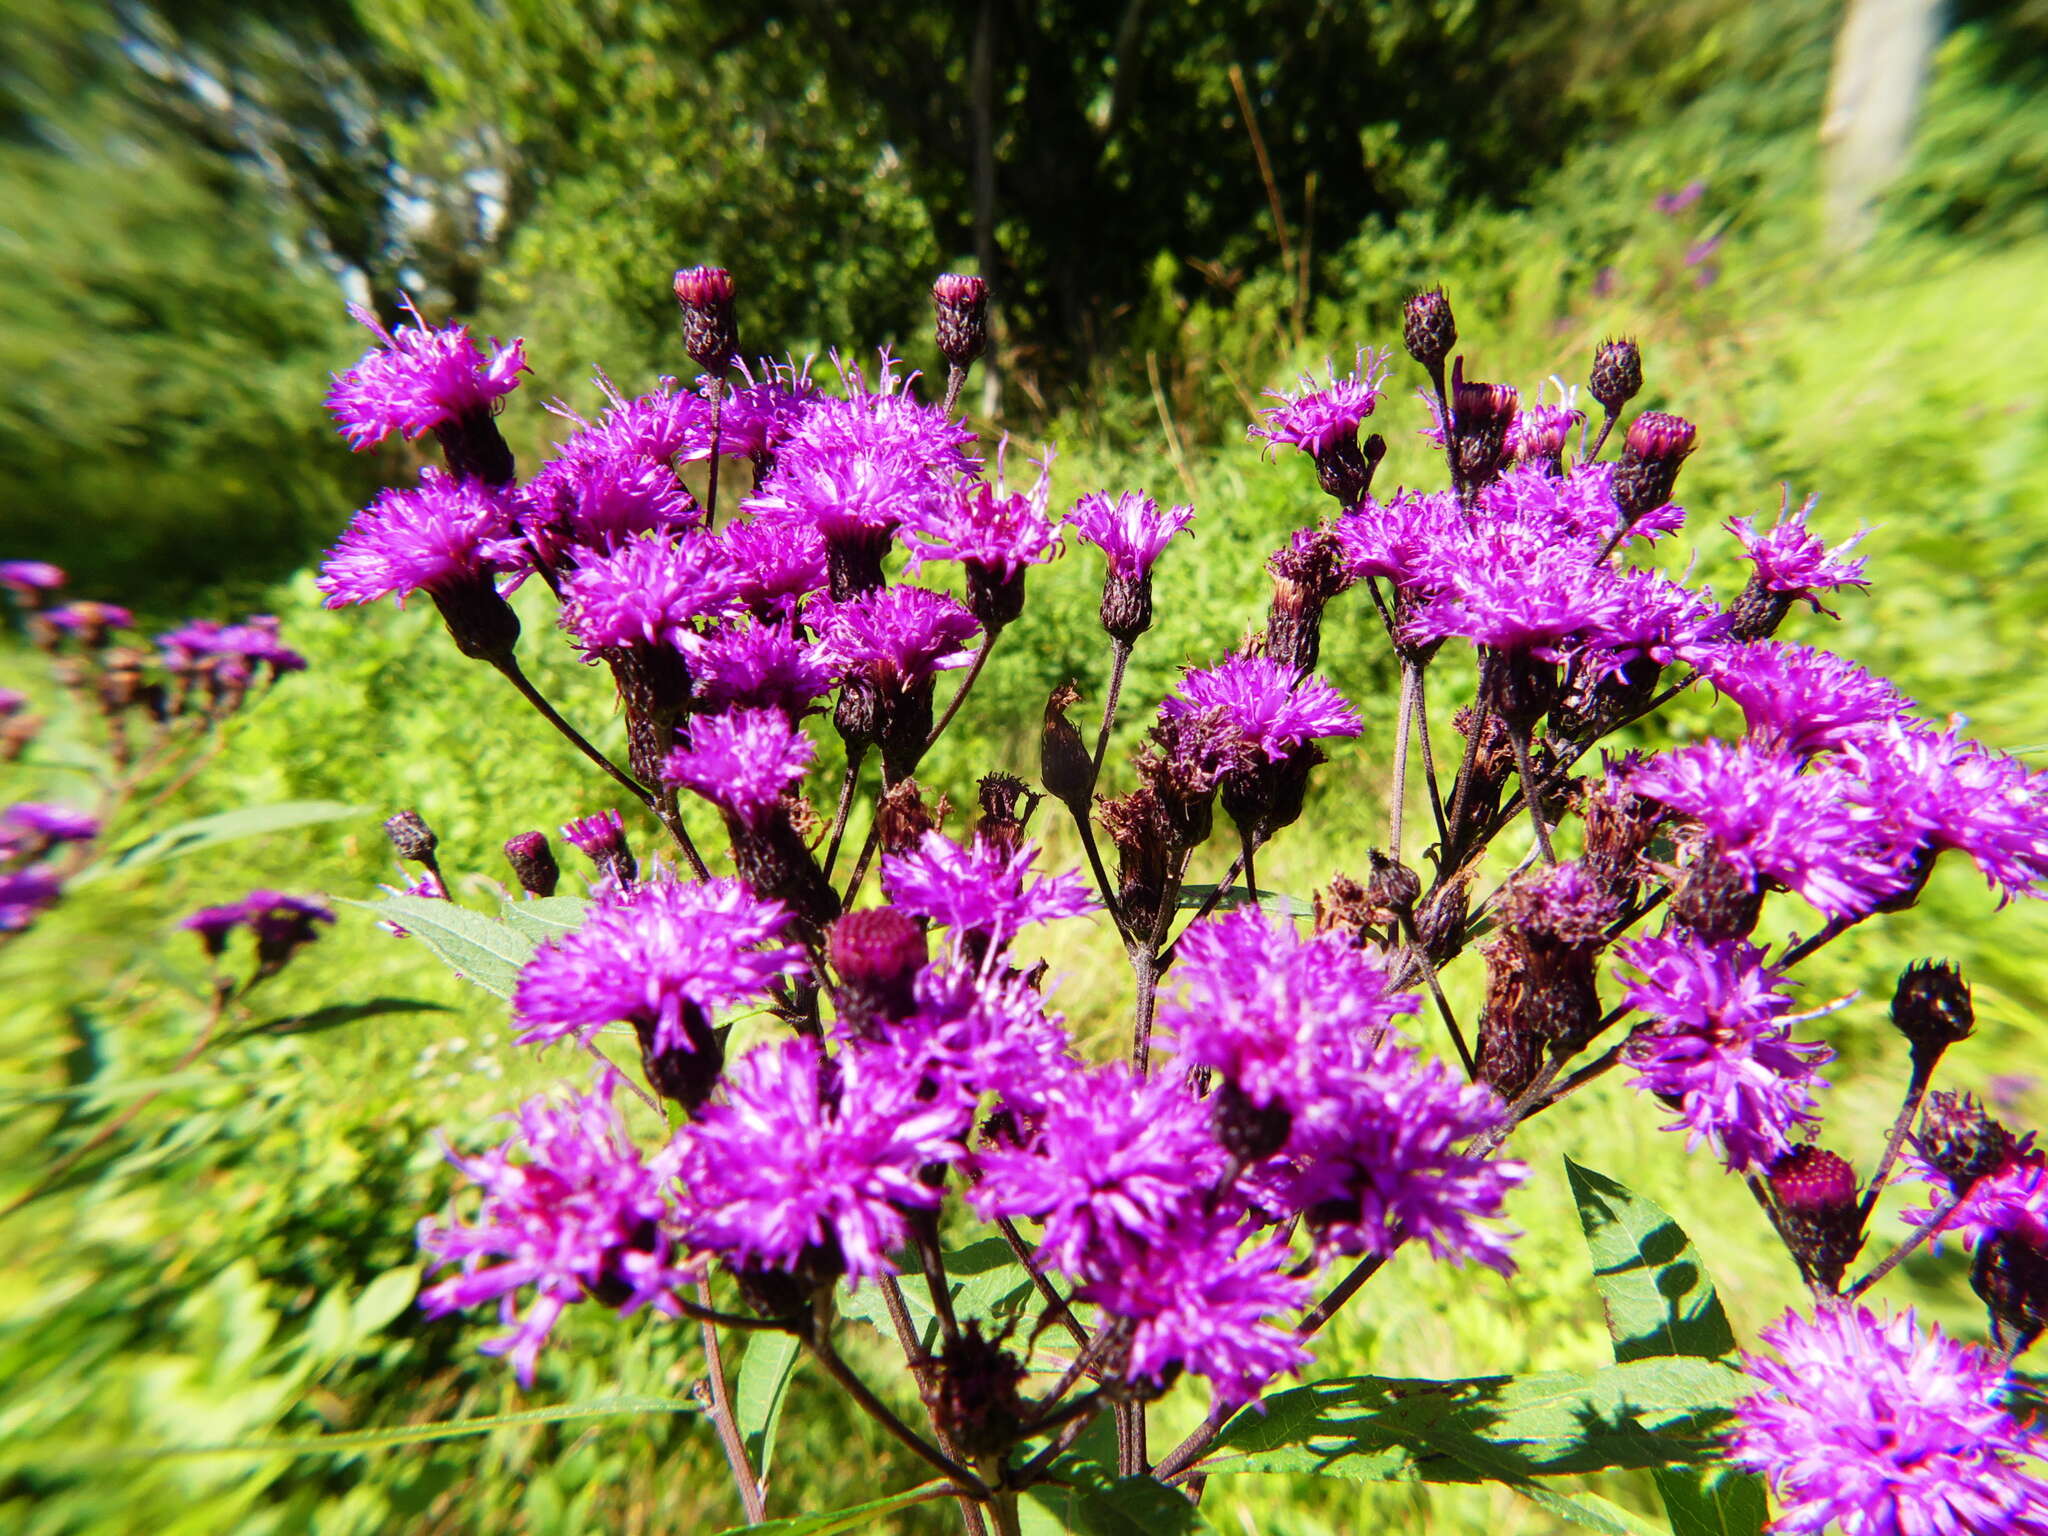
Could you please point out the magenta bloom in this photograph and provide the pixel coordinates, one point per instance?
(1879, 1427)
(988, 1033)
(12, 702)
(1719, 1047)
(1505, 589)
(1660, 620)
(1792, 559)
(90, 620)
(416, 378)
(571, 1211)
(1271, 709)
(1397, 538)
(1318, 417)
(24, 895)
(743, 762)
(758, 416)
(254, 640)
(1203, 1303)
(660, 956)
(759, 666)
(29, 825)
(650, 591)
(777, 563)
(1935, 790)
(2014, 1198)
(786, 1170)
(602, 833)
(1800, 700)
(30, 577)
(987, 526)
(653, 428)
(1774, 817)
(898, 637)
(1132, 531)
(597, 503)
(440, 537)
(979, 889)
(1540, 432)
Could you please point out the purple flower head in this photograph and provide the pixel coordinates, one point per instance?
(32, 826)
(1671, 204)
(571, 1210)
(1397, 538)
(654, 427)
(1541, 432)
(1319, 416)
(443, 535)
(758, 416)
(988, 1029)
(2011, 1198)
(1879, 1427)
(1115, 1163)
(1792, 559)
(980, 889)
(1267, 706)
(12, 702)
(255, 639)
(1504, 589)
(215, 924)
(1382, 1164)
(650, 591)
(281, 923)
(603, 833)
(29, 578)
(1658, 619)
(1774, 817)
(777, 563)
(1719, 1047)
(987, 525)
(89, 620)
(654, 956)
(1800, 700)
(743, 761)
(416, 378)
(594, 504)
(807, 1158)
(1131, 531)
(1576, 510)
(1283, 1019)
(24, 895)
(1936, 790)
(897, 637)
(1204, 1303)
(757, 666)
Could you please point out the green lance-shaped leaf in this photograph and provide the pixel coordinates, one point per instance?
(479, 948)
(757, 1396)
(985, 1278)
(208, 831)
(546, 917)
(352, 1441)
(1660, 1303)
(1086, 1498)
(858, 1517)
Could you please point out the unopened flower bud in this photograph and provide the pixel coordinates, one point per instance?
(1482, 415)
(1440, 921)
(1617, 375)
(1064, 764)
(710, 333)
(1658, 444)
(876, 953)
(973, 1393)
(962, 306)
(1428, 329)
(1931, 1008)
(411, 837)
(1817, 1204)
(1960, 1140)
(533, 863)
(2010, 1276)
(1250, 1132)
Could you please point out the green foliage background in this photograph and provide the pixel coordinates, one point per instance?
(224, 1271)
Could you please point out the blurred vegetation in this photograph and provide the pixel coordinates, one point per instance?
(184, 194)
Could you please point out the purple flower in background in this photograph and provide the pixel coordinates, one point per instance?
(444, 535)
(215, 924)
(1319, 416)
(24, 895)
(743, 761)
(1773, 816)
(776, 562)
(980, 889)
(1719, 1047)
(1793, 560)
(30, 578)
(1202, 1303)
(1671, 204)
(789, 1167)
(1132, 531)
(255, 639)
(416, 378)
(1270, 709)
(597, 503)
(1936, 790)
(987, 526)
(757, 666)
(31, 827)
(1798, 699)
(88, 620)
(650, 591)
(1881, 1427)
(897, 637)
(12, 702)
(660, 956)
(573, 1212)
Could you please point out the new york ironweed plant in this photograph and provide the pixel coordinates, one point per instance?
(1056, 1243)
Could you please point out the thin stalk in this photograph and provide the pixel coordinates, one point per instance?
(960, 694)
(1436, 991)
(935, 1280)
(594, 1049)
(711, 490)
(884, 1415)
(1003, 1510)
(1146, 964)
(517, 677)
(670, 815)
(1921, 1234)
(1055, 1303)
(1835, 928)
(1221, 889)
(1436, 799)
(1398, 795)
(1481, 704)
(1518, 738)
(956, 380)
(728, 1429)
(1034, 1469)
(860, 865)
(849, 786)
(1345, 1289)
(1600, 442)
(1119, 658)
(1916, 1089)
(1095, 865)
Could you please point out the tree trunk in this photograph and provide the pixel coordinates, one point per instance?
(1881, 59)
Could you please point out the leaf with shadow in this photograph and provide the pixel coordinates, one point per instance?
(338, 1016)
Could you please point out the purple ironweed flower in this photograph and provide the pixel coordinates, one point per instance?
(1660, 620)
(12, 702)
(710, 333)
(897, 638)
(649, 591)
(778, 562)
(1398, 537)
(1283, 1019)
(602, 833)
(89, 621)
(2011, 1198)
(654, 427)
(1800, 700)
(743, 761)
(989, 1030)
(31, 826)
(1772, 816)
(653, 956)
(988, 525)
(24, 895)
(960, 303)
(416, 378)
(1937, 791)
(1540, 432)
(758, 666)
(1270, 709)
(1672, 203)
(255, 639)
(442, 537)
(807, 1159)
(980, 889)
(1719, 1048)
(594, 504)
(1320, 416)
(1201, 1303)
(1793, 560)
(282, 924)
(1577, 510)
(28, 578)
(215, 924)
(759, 415)
(1503, 589)
(426, 886)
(573, 1211)
(1131, 531)
(1880, 1427)
(1114, 1163)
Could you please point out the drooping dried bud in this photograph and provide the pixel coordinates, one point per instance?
(962, 306)
(876, 954)
(1428, 329)
(1931, 1008)
(412, 837)
(533, 863)
(1138, 825)
(1620, 825)
(710, 332)
(903, 818)
(1617, 375)
(1005, 801)
(1963, 1142)
(2010, 1276)
(1440, 921)
(973, 1394)
(1658, 444)
(1250, 1132)
(1307, 573)
(1510, 1052)
(1392, 887)
(1818, 1209)
(1064, 764)
(1344, 906)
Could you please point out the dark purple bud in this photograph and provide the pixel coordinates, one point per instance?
(1617, 374)
(1428, 329)
(413, 839)
(1126, 611)
(2010, 1276)
(876, 954)
(1658, 444)
(1065, 766)
(973, 1394)
(533, 863)
(1963, 1142)
(1250, 1132)
(1440, 921)
(686, 1073)
(1758, 610)
(1931, 1007)
(710, 333)
(1307, 573)
(1481, 417)
(1819, 1211)
(962, 306)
